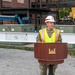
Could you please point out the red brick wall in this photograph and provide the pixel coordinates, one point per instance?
(20, 5)
(15, 4)
(9, 22)
(6, 4)
(33, 19)
(43, 19)
(6, 22)
(31, 2)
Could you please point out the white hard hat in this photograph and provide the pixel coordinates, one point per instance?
(49, 19)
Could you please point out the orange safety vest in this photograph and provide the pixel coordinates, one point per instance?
(45, 38)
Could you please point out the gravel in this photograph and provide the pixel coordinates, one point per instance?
(21, 62)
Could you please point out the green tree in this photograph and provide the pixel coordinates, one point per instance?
(64, 12)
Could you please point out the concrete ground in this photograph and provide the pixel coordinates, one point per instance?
(21, 62)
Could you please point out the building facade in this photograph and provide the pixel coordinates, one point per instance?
(36, 10)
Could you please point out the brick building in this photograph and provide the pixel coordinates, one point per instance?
(25, 4)
(34, 14)
(35, 9)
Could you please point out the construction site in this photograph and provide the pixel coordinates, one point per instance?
(22, 19)
(20, 22)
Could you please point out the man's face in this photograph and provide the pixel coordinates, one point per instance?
(50, 25)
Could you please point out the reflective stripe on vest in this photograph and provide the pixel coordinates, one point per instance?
(46, 38)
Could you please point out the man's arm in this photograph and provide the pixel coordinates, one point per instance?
(59, 38)
(38, 39)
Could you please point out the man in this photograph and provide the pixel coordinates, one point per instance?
(48, 35)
